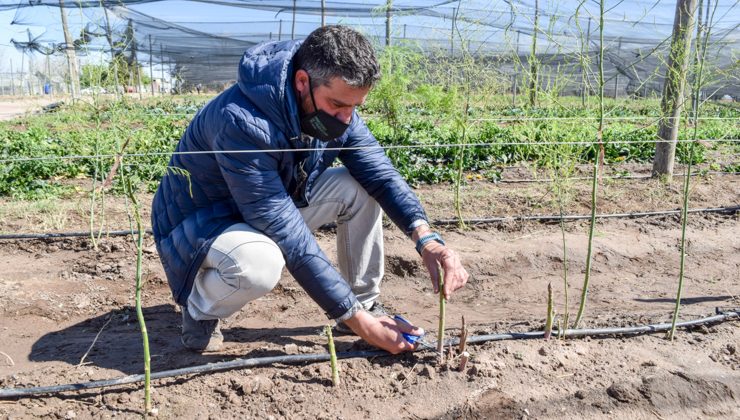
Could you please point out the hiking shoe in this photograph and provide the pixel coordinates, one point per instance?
(377, 310)
(201, 336)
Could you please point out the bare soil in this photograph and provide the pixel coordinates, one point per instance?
(57, 295)
(11, 107)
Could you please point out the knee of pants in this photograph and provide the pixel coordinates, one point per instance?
(253, 268)
(355, 195)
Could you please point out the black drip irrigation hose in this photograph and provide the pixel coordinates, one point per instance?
(557, 218)
(80, 234)
(439, 222)
(322, 357)
(615, 177)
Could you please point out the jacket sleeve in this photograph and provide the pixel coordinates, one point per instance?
(369, 165)
(255, 185)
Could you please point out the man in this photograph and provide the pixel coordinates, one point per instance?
(255, 178)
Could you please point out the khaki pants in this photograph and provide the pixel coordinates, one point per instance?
(243, 264)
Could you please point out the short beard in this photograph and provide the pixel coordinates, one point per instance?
(304, 104)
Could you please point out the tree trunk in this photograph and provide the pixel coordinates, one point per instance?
(673, 88)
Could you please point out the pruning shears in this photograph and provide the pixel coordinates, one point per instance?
(411, 338)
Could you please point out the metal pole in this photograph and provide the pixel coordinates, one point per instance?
(151, 70)
(161, 64)
(23, 58)
(280, 31)
(48, 78)
(517, 42)
(12, 79)
(404, 31)
(616, 78)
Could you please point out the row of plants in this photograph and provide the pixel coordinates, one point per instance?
(426, 117)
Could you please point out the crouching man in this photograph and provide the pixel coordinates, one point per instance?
(260, 180)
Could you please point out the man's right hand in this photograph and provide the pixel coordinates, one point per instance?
(383, 332)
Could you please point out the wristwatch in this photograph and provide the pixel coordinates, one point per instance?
(432, 236)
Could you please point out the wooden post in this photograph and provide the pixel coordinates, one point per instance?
(113, 58)
(673, 88)
(323, 14)
(388, 16)
(292, 28)
(69, 48)
(533, 67)
(697, 55)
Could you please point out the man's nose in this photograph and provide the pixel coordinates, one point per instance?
(344, 116)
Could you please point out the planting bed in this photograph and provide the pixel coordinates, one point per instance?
(57, 295)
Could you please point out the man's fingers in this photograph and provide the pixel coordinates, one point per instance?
(405, 326)
(410, 329)
(434, 273)
(454, 273)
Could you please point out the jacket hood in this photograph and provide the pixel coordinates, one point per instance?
(266, 79)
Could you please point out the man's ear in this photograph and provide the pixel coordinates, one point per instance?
(301, 82)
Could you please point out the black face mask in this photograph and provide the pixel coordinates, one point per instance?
(320, 124)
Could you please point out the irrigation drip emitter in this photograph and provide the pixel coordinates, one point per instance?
(322, 357)
(438, 222)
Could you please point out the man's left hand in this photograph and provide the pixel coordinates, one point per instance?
(436, 255)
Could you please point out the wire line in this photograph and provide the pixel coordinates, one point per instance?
(327, 149)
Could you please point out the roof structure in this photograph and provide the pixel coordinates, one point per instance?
(201, 41)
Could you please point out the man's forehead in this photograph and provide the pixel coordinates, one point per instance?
(338, 90)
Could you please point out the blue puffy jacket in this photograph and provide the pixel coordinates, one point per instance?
(252, 129)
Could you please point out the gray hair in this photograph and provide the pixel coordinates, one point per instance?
(338, 51)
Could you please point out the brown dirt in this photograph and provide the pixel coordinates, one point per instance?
(56, 295)
(16, 106)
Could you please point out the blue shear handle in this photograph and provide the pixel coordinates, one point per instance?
(411, 338)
